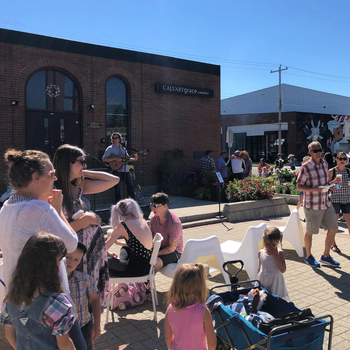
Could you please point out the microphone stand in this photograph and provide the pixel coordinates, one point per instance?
(125, 165)
(219, 182)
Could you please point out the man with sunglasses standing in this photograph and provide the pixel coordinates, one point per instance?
(114, 156)
(317, 204)
(169, 226)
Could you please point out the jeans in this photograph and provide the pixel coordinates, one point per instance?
(77, 337)
(127, 182)
(86, 331)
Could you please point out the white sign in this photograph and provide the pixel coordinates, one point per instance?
(218, 175)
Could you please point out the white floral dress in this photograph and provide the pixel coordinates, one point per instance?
(94, 262)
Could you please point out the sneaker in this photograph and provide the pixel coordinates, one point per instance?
(329, 261)
(311, 261)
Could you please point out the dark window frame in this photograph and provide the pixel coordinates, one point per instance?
(70, 76)
(128, 107)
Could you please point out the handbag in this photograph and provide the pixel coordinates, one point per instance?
(128, 295)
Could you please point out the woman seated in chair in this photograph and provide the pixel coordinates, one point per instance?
(136, 242)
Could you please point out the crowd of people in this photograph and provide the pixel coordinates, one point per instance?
(237, 166)
(56, 263)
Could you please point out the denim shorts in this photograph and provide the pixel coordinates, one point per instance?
(345, 208)
(316, 218)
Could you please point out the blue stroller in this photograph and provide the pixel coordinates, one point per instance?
(292, 328)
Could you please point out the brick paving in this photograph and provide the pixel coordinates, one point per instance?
(324, 290)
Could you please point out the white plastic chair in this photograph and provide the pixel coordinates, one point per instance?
(149, 277)
(2, 287)
(293, 232)
(205, 250)
(247, 250)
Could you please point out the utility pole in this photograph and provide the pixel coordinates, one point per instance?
(279, 108)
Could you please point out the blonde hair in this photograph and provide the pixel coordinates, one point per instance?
(125, 207)
(188, 286)
(272, 234)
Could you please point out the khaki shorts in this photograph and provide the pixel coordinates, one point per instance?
(316, 218)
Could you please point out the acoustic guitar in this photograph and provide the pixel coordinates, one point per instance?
(116, 165)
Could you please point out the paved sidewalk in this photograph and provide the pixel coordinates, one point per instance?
(324, 290)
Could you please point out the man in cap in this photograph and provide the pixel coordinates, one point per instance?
(221, 164)
(206, 163)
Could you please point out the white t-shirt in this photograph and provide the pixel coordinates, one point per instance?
(236, 165)
(22, 219)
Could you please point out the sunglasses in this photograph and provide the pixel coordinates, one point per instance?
(316, 150)
(155, 205)
(342, 159)
(82, 162)
(52, 173)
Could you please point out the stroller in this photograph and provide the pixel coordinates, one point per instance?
(291, 329)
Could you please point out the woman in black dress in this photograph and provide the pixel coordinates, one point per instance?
(136, 241)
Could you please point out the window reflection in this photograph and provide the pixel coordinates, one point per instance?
(52, 90)
(116, 107)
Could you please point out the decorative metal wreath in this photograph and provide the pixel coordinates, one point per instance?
(53, 90)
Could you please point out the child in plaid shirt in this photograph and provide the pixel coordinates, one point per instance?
(36, 313)
(84, 294)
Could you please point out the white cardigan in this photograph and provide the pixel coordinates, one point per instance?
(21, 220)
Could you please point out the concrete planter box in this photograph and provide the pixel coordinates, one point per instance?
(289, 198)
(253, 210)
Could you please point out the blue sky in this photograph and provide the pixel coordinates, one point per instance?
(247, 38)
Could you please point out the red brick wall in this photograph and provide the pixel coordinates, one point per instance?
(158, 121)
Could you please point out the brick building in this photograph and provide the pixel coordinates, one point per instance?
(55, 91)
(250, 121)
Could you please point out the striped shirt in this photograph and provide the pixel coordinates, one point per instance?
(314, 175)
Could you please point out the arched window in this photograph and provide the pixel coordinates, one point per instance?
(116, 107)
(52, 90)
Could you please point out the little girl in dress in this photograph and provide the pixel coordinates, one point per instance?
(264, 172)
(188, 323)
(272, 264)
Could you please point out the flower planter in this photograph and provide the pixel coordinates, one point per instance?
(254, 210)
(289, 198)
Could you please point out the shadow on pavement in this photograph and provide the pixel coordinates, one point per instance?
(344, 292)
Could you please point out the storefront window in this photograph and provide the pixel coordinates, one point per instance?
(116, 107)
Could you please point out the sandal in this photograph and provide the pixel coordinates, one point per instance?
(335, 248)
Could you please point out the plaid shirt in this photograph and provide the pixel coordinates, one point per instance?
(81, 286)
(313, 176)
(56, 315)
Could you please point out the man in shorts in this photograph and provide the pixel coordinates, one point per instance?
(169, 226)
(317, 204)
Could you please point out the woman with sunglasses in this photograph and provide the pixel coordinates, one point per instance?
(341, 197)
(74, 181)
(169, 226)
(33, 207)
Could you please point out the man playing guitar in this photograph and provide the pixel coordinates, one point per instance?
(115, 155)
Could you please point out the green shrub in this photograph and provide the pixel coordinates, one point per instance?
(250, 188)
